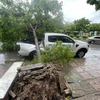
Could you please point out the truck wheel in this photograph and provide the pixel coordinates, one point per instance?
(92, 41)
(80, 53)
(32, 54)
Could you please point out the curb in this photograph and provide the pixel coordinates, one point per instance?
(7, 79)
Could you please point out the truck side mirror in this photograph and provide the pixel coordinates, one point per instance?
(73, 42)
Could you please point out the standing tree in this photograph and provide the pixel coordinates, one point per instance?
(36, 16)
(69, 26)
(94, 27)
(81, 24)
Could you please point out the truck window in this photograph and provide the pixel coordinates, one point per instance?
(28, 40)
(64, 39)
(97, 37)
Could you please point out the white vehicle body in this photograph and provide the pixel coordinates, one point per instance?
(79, 47)
(25, 49)
(94, 40)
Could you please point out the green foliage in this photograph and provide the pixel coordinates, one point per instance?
(94, 2)
(84, 36)
(35, 60)
(81, 24)
(94, 27)
(31, 61)
(9, 41)
(57, 54)
(16, 16)
(71, 35)
(69, 26)
(0, 36)
(44, 10)
(11, 27)
(77, 36)
(8, 46)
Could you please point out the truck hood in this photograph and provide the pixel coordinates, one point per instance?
(80, 42)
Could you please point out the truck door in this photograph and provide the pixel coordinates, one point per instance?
(66, 41)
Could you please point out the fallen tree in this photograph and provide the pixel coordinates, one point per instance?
(39, 82)
(43, 81)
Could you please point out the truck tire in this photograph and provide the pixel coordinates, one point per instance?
(32, 54)
(92, 41)
(80, 53)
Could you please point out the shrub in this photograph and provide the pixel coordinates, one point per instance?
(57, 54)
(84, 36)
(8, 46)
(9, 40)
(71, 35)
(77, 36)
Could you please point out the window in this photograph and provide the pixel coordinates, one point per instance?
(28, 40)
(97, 37)
(64, 39)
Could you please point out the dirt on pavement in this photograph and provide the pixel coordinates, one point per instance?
(44, 83)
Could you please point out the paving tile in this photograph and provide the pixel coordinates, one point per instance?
(73, 76)
(75, 86)
(86, 75)
(86, 68)
(91, 67)
(95, 83)
(87, 87)
(95, 73)
(69, 79)
(84, 79)
(78, 93)
(79, 69)
(74, 65)
(76, 89)
(95, 96)
(81, 88)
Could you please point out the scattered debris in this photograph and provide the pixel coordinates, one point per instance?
(12, 94)
(39, 82)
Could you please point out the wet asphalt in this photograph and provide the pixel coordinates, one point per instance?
(6, 60)
(94, 51)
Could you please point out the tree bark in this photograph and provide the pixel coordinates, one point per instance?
(36, 41)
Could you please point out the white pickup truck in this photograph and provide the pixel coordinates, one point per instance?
(26, 47)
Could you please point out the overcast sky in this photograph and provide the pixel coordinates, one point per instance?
(77, 9)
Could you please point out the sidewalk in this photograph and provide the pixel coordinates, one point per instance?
(83, 76)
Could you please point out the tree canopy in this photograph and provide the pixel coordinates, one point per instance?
(94, 27)
(69, 26)
(81, 24)
(16, 16)
(94, 2)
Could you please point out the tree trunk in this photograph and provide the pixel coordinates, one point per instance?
(36, 41)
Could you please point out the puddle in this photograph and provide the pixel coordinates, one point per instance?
(2, 59)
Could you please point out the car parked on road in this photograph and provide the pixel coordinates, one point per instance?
(94, 39)
(26, 47)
